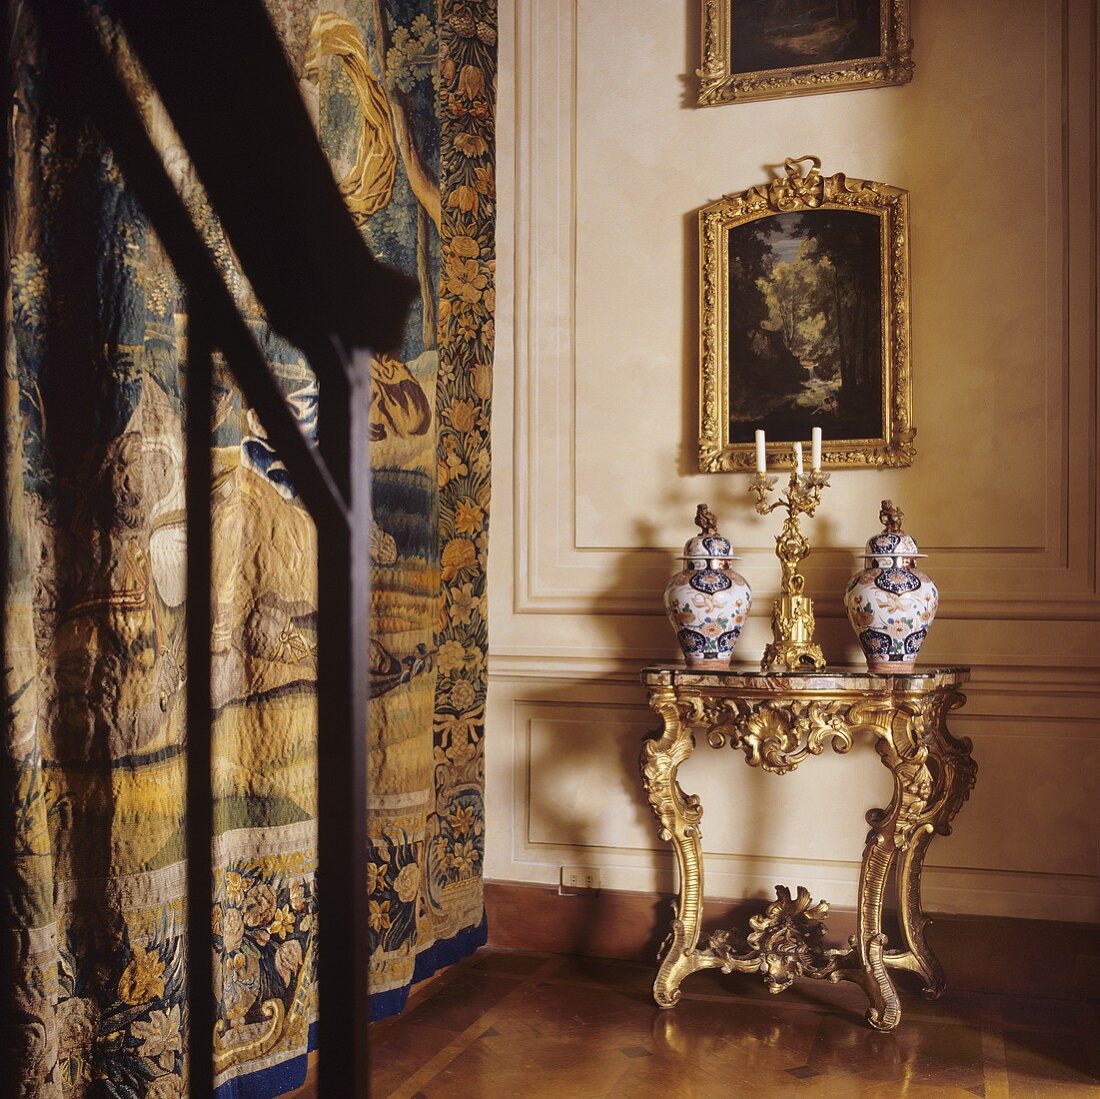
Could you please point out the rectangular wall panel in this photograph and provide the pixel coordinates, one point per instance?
(604, 164)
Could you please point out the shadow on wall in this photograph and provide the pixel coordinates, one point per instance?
(584, 786)
(693, 36)
(565, 804)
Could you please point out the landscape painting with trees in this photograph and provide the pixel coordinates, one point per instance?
(770, 49)
(805, 333)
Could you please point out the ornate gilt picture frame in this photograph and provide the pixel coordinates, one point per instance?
(769, 49)
(804, 321)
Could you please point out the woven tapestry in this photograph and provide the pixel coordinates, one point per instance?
(95, 671)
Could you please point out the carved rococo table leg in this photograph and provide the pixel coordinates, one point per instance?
(953, 773)
(678, 815)
(932, 775)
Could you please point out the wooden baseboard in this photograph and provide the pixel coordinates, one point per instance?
(992, 954)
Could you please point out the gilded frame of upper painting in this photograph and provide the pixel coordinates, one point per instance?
(769, 49)
(804, 321)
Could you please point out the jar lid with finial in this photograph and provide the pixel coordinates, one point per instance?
(709, 544)
(891, 541)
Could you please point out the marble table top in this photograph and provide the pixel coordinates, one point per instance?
(749, 677)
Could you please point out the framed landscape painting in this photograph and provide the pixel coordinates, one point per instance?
(804, 321)
(767, 49)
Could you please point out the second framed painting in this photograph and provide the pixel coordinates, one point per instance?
(804, 321)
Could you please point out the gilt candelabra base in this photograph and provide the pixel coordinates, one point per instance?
(793, 631)
(790, 656)
(792, 627)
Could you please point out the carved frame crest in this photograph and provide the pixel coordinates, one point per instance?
(797, 191)
(720, 84)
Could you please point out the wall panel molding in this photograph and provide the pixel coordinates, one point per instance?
(576, 799)
(557, 572)
(576, 575)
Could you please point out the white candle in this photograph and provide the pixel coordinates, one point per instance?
(815, 436)
(761, 465)
(798, 459)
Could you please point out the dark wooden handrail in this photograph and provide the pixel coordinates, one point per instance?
(200, 806)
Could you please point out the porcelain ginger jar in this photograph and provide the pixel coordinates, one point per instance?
(891, 603)
(707, 602)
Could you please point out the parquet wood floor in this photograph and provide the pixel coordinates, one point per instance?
(533, 1026)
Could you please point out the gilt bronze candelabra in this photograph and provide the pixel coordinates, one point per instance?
(793, 642)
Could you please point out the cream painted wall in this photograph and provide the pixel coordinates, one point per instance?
(603, 166)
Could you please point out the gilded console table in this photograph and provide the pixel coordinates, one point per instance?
(778, 720)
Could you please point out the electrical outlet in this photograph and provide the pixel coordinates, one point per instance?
(579, 880)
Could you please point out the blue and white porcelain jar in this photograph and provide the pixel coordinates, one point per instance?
(891, 603)
(707, 602)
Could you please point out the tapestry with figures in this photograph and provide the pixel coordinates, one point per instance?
(94, 663)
